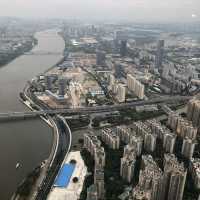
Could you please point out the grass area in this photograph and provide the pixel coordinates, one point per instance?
(131, 113)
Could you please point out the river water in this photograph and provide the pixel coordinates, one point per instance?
(25, 141)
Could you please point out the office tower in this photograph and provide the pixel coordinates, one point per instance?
(159, 54)
(150, 142)
(188, 148)
(101, 58)
(195, 172)
(119, 70)
(121, 93)
(48, 82)
(61, 87)
(92, 193)
(174, 178)
(169, 141)
(123, 48)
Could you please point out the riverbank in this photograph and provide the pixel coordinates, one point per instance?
(6, 58)
(26, 142)
(28, 189)
(60, 148)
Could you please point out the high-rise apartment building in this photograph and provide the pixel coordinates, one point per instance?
(195, 171)
(110, 138)
(174, 178)
(135, 86)
(188, 148)
(121, 93)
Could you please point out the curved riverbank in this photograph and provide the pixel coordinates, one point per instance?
(62, 138)
(28, 142)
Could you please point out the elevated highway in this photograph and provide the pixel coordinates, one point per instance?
(90, 110)
(42, 53)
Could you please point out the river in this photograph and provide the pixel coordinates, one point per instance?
(26, 141)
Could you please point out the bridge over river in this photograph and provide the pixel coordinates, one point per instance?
(90, 110)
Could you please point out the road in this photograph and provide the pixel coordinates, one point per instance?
(96, 109)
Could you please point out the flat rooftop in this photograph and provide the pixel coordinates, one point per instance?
(64, 186)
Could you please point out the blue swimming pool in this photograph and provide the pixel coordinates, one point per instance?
(64, 175)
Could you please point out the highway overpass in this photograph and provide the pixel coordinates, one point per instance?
(89, 110)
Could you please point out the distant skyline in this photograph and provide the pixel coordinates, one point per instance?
(132, 10)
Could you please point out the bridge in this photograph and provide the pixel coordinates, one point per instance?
(42, 53)
(90, 110)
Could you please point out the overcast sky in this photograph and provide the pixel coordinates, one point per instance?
(133, 10)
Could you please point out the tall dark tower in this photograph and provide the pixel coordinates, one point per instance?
(101, 58)
(123, 48)
(159, 54)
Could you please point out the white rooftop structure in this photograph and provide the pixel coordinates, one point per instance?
(72, 190)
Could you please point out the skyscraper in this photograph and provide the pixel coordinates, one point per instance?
(121, 93)
(123, 48)
(119, 70)
(48, 82)
(61, 86)
(159, 54)
(188, 148)
(174, 178)
(101, 58)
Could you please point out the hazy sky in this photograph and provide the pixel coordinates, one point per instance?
(133, 10)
